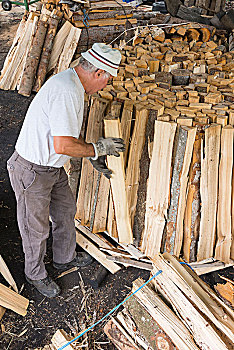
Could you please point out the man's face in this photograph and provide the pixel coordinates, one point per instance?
(99, 81)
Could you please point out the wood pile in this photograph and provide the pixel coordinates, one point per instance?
(177, 167)
(9, 297)
(176, 310)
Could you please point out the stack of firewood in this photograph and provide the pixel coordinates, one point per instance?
(177, 310)
(37, 50)
(172, 102)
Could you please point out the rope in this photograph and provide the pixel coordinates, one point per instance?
(110, 312)
(164, 25)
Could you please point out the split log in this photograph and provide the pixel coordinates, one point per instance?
(7, 275)
(13, 70)
(47, 49)
(135, 152)
(88, 174)
(13, 301)
(226, 292)
(158, 187)
(164, 317)
(126, 122)
(209, 192)
(58, 45)
(193, 204)
(20, 32)
(188, 295)
(116, 164)
(69, 49)
(61, 338)
(183, 147)
(223, 245)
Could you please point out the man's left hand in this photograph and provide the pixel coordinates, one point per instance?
(100, 165)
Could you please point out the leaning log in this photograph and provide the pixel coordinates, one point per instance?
(33, 57)
(47, 48)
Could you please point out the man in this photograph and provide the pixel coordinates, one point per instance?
(50, 135)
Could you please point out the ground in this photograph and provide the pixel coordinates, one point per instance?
(76, 306)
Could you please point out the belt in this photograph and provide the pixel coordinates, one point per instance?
(29, 165)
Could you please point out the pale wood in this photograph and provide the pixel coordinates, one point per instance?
(183, 148)
(232, 246)
(190, 302)
(158, 187)
(18, 56)
(223, 245)
(209, 192)
(13, 301)
(7, 275)
(90, 248)
(2, 312)
(226, 291)
(58, 45)
(89, 175)
(60, 338)
(135, 152)
(20, 32)
(17, 80)
(100, 217)
(164, 316)
(68, 50)
(95, 238)
(116, 164)
(207, 267)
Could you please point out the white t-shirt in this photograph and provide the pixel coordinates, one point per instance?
(56, 110)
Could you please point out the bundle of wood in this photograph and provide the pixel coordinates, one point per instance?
(175, 178)
(177, 310)
(38, 50)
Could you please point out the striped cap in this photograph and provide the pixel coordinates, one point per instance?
(104, 57)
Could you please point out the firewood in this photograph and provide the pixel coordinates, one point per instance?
(32, 59)
(209, 192)
(157, 200)
(112, 129)
(13, 301)
(47, 49)
(88, 174)
(135, 152)
(223, 245)
(183, 146)
(226, 292)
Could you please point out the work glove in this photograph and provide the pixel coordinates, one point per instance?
(100, 165)
(110, 146)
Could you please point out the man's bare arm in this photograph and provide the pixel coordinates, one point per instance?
(73, 147)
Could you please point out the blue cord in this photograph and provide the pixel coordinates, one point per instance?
(109, 313)
(184, 263)
(86, 18)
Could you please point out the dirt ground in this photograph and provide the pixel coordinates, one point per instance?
(74, 308)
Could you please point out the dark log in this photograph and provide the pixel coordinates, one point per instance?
(228, 20)
(190, 15)
(173, 6)
(163, 77)
(180, 76)
(33, 58)
(47, 48)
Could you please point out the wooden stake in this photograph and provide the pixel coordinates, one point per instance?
(11, 300)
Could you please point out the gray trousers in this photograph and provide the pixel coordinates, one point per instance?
(42, 191)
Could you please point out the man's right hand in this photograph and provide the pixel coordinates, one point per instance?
(111, 146)
(100, 165)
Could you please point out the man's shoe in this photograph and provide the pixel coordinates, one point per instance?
(82, 259)
(45, 286)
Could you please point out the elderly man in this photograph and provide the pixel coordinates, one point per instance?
(50, 135)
